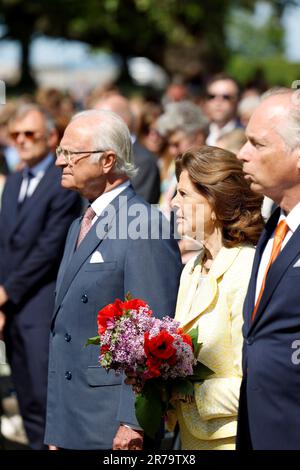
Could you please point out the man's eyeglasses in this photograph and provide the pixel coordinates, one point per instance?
(30, 135)
(226, 97)
(68, 154)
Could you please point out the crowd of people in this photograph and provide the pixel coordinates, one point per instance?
(72, 177)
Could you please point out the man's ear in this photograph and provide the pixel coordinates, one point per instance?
(108, 161)
(297, 153)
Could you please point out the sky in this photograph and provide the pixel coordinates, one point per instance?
(291, 23)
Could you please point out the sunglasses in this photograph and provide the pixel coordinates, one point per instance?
(211, 96)
(30, 135)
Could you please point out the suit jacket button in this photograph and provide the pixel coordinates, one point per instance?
(250, 340)
(68, 337)
(84, 298)
(68, 375)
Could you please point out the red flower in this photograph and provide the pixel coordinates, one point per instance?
(160, 346)
(185, 337)
(104, 349)
(108, 314)
(153, 368)
(188, 340)
(135, 304)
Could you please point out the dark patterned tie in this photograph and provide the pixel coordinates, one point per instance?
(27, 177)
(86, 224)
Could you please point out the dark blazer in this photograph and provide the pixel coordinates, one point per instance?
(85, 403)
(31, 246)
(269, 414)
(147, 181)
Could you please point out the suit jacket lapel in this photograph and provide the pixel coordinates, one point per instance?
(250, 297)
(69, 251)
(88, 245)
(202, 299)
(28, 205)
(76, 259)
(276, 272)
(14, 201)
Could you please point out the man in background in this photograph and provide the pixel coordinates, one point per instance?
(35, 216)
(220, 106)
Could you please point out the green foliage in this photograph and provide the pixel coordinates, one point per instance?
(201, 372)
(187, 37)
(196, 346)
(248, 37)
(257, 46)
(275, 69)
(149, 409)
(183, 387)
(95, 340)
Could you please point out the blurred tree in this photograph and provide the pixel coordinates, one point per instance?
(182, 36)
(252, 38)
(256, 42)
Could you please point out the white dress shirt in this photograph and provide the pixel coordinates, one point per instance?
(29, 185)
(215, 132)
(105, 199)
(293, 221)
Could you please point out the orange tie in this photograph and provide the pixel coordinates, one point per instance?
(280, 233)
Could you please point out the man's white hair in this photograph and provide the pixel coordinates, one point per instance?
(290, 129)
(26, 108)
(111, 133)
(248, 104)
(183, 116)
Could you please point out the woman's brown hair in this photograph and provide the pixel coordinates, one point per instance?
(218, 175)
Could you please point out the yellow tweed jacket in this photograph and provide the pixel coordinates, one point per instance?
(216, 307)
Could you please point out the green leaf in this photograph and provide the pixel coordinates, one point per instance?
(201, 372)
(149, 411)
(95, 340)
(183, 387)
(196, 345)
(128, 296)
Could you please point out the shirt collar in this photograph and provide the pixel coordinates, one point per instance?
(102, 201)
(292, 219)
(229, 126)
(41, 167)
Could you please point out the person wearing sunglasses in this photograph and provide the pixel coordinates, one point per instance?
(107, 254)
(221, 100)
(34, 219)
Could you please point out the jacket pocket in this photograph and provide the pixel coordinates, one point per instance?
(98, 377)
(107, 266)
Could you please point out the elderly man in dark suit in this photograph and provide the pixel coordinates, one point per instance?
(269, 415)
(35, 216)
(121, 245)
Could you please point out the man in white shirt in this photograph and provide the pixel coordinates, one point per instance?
(105, 257)
(269, 416)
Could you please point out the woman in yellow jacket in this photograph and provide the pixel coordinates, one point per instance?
(215, 206)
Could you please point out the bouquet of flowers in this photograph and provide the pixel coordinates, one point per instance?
(154, 353)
